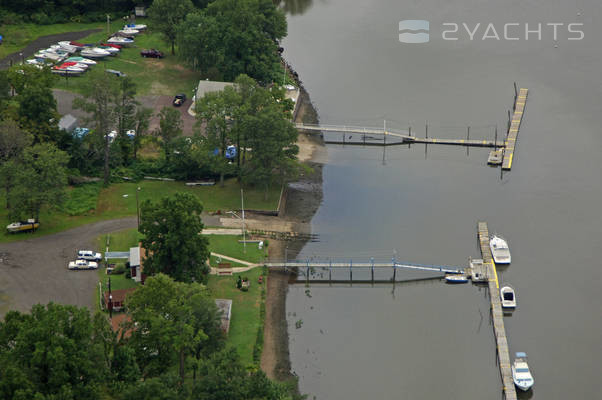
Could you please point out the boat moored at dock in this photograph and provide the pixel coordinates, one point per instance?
(500, 250)
(521, 375)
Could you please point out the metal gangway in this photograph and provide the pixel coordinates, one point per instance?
(398, 136)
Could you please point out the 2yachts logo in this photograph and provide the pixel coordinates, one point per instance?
(418, 31)
(414, 31)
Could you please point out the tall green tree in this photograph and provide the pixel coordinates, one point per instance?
(171, 321)
(125, 108)
(142, 119)
(100, 90)
(216, 112)
(40, 181)
(13, 140)
(166, 15)
(171, 229)
(232, 37)
(272, 139)
(50, 353)
(170, 128)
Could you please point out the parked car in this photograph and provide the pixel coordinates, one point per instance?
(152, 53)
(83, 264)
(115, 72)
(179, 99)
(89, 255)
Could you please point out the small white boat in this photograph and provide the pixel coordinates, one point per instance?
(50, 55)
(129, 31)
(122, 41)
(81, 60)
(64, 47)
(520, 372)
(94, 52)
(138, 27)
(508, 297)
(456, 278)
(112, 50)
(499, 250)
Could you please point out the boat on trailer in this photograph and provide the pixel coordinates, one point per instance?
(23, 226)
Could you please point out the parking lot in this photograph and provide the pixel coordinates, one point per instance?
(35, 270)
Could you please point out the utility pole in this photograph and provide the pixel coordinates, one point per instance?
(137, 210)
(108, 24)
(244, 237)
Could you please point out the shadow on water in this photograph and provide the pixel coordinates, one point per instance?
(296, 7)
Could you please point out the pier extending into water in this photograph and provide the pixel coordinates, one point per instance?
(503, 354)
(371, 136)
(363, 272)
(520, 100)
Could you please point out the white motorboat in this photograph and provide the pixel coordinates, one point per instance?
(66, 48)
(67, 70)
(499, 250)
(129, 31)
(75, 64)
(112, 50)
(81, 60)
(138, 27)
(508, 297)
(520, 372)
(122, 41)
(456, 278)
(94, 52)
(50, 55)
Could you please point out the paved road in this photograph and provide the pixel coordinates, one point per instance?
(35, 270)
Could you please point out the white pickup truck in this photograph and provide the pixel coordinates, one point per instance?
(83, 264)
(89, 255)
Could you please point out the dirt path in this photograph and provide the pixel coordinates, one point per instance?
(41, 43)
(35, 270)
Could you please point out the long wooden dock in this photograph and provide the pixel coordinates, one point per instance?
(501, 341)
(517, 117)
(405, 137)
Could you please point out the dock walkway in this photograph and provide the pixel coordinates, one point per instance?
(517, 117)
(402, 137)
(496, 311)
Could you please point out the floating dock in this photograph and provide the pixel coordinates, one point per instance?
(501, 341)
(517, 117)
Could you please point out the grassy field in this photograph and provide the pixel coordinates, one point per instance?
(228, 245)
(16, 37)
(152, 76)
(246, 319)
(112, 204)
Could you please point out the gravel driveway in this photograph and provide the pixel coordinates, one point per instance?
(35, 270)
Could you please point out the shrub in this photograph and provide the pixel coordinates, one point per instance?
(81, 199)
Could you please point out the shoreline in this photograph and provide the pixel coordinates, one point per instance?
(304, 197)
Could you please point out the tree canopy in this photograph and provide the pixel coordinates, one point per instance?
(172, 238)
(167, 15)
(233, 37)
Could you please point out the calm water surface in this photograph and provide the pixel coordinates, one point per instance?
(428, 340)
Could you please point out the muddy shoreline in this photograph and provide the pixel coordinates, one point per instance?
(304, 199)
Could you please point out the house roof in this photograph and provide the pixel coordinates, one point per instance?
(134, 256)
(210, 86)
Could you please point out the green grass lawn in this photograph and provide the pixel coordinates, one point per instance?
(152, 76)
(16, 37)
(111, 204)
(246, 318)
(228, 245)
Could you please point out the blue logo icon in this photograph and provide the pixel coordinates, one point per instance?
(414, 31)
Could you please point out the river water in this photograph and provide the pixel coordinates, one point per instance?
(428, 340)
